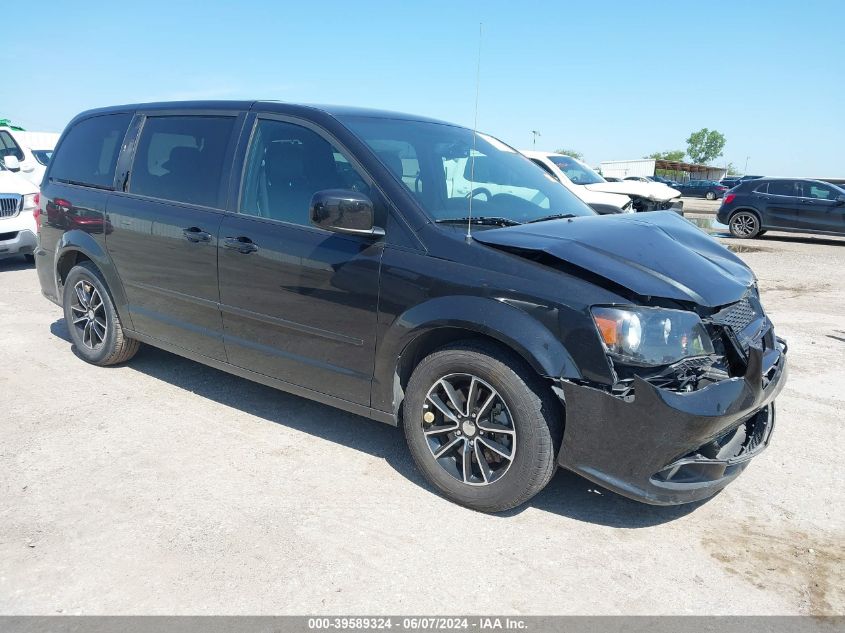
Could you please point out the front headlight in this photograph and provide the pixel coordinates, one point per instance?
(29, 201)
(651, 336)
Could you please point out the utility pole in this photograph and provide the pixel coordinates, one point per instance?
(536, 134)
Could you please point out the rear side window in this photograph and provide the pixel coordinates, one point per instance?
(783, 188)
(764, 188)
(182, 158)
(89, 151)
(8, 146)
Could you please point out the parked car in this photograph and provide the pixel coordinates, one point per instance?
(323, 252)
(30, 149)
(611, 179)
(601, 202)
(709, 189)
(730, 181)
(17, 206)
(584, 182)
(665, 181)
(783, 204)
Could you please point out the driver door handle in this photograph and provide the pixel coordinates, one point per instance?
(196, 234)
(242, 244)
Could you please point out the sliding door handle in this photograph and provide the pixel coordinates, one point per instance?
(242, 244)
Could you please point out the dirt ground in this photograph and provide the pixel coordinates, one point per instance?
(165, 487)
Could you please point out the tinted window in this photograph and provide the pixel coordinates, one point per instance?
(8, 146)
(783, 188)
(287, 164)
(502, 183)
(764, 188)
(88, 152)
(819, 191)
(42, 155)
(181, 158)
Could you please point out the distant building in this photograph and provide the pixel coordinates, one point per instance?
(676, 170)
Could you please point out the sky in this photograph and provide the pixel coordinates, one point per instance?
(612, 80)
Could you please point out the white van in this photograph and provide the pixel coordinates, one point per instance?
(32, 151)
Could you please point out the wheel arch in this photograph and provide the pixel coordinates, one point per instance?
(750, 209)
(444, 320)
(78, 246)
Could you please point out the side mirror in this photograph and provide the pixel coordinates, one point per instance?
(12, 163)
(840, 199)
(344, 211)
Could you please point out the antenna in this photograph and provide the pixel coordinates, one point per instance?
(474, 135)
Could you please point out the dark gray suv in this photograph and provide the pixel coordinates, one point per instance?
(783, 204)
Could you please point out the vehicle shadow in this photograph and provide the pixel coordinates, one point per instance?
(567, 494)
(14, 263)
(802, 239)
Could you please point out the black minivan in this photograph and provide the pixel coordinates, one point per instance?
(417, 273)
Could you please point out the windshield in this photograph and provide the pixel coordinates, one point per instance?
(576, 171)
(438, 165)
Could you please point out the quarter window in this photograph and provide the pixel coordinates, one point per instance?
(8, 146)
(286, 165)
(89, 151)
(182, 158)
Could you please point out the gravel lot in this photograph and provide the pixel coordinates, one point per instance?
(163, 486)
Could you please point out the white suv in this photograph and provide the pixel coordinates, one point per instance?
(18, 200)
(588, 185)
(31, 151)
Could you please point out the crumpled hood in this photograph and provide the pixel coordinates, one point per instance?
(657, 254)
(656, 191)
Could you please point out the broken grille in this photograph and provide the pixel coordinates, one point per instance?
(10, 204)
(738, 316)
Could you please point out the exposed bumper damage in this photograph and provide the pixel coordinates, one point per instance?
(650, 204)
(668, 447)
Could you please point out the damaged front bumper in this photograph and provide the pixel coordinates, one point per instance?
(667, 447)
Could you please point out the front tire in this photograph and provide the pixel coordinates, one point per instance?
(744, 225)
(92, 319)
(30, 258)
(710, 195)
(481, 426)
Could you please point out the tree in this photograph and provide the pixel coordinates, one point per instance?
(731, 169)
(570, 152)
(675, 155)
(705, 145)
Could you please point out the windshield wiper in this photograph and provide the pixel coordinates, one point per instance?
(556, 216)
(481, 220)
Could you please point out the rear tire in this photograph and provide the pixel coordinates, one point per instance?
(504, 450)
(744, 225)
(92, 319)
(710, 195)
(30, 258)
